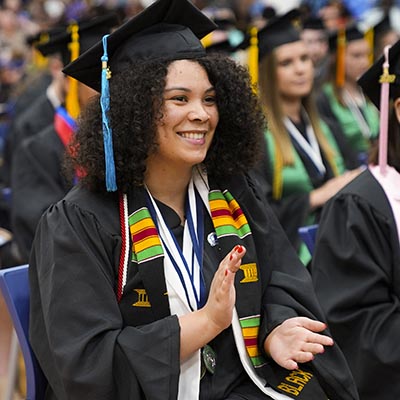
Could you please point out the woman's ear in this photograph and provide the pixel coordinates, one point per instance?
(396, 106)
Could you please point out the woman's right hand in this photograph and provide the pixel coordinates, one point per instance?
(318, 197)
(222, 296)
(201, 326)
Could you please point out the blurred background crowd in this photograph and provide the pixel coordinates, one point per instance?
(33, 87)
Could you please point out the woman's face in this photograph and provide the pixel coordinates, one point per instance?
(190, 115)
(294, 71)
(357, 59)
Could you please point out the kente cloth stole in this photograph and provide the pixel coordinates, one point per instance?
(231, 228)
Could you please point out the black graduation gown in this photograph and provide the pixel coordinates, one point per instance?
(36, 183)
(90, 346)
(33, 120)
(293, 210)
(34, 86)
(356, 274)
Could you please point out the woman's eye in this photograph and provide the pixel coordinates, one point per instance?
(210, 99)
(179, 98)
(284, 63)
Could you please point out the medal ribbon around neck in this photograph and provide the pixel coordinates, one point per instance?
(310, 147)
(188, 263)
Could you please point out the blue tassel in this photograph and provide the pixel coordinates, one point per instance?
(111, 182)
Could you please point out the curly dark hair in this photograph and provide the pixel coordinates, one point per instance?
(136, 101)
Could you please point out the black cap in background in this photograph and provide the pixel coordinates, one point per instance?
(90, 31)
(370, 80)
(351, 33)
(279, 31)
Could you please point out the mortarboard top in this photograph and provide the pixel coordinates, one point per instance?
(90, 31)
(166, 29)
(383, 26)
(351, 33)
(313, 23)
(278, 31)
(370, 80)
(45, 35)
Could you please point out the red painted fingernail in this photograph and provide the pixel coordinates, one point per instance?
(226, 272)
(230, 257)
(239, 249)
(236, 247)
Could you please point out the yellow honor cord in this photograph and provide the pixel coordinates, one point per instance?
(72, 100)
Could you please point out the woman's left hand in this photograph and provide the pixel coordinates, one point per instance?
(296, 341)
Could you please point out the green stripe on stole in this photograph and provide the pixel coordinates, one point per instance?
(229, 221)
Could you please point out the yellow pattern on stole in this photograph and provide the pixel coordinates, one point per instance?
(143, 298)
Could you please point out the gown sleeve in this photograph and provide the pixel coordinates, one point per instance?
(89, 352)
(355, 274)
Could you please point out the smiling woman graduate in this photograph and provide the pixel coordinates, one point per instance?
(160, 275)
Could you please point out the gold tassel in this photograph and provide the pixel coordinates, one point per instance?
(369, 37)
(38, 59)
(340, 57)
(72, 100)
(207, 40)
(253, 57)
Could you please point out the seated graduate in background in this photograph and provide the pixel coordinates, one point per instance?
(355, 269)
(161, 275)
(315, 36)
(37, 162)
(302, 166)
(341, 99)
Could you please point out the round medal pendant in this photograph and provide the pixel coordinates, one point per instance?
(209, 358)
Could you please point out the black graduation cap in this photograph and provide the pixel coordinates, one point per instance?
(351, 33)
(314, 23)
(268, 12)
(223, 17)
(166, 29)
(45, 35)
(383, 26)
(370, 80)
(224, 47)
(278, 31)
(90, 31)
